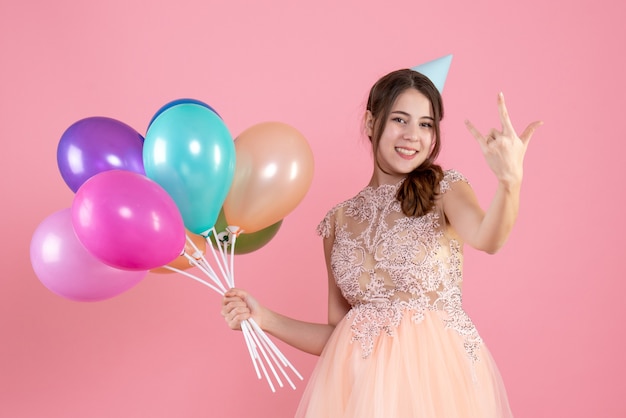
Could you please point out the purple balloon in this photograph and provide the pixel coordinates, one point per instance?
(128, 221)
(96, 144)
(66, 268)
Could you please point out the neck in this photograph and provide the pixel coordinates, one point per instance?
(379, 178)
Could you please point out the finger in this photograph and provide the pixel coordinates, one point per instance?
(242, 315)
(235, 306)
(228, 299)
(475, 133)
(226, 309)
(234, 292)
(529, 131)
(235, 313)
(505, 120)
(236, 320)
(229, 305)
(234, 325)
(493, 135)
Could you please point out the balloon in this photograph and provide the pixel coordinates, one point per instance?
(97, 144)
(273, 173)
(66, 268)
(246, 242)
(181, 262)
(176, 103)
(127, 221)
(189, 151)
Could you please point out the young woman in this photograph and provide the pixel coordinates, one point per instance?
(397, 342)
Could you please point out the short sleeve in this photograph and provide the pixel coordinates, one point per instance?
(449, 178)
(325, 228)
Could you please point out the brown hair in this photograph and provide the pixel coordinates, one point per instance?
(418, 192)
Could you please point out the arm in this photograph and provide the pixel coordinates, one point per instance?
(504, 152)
(239, 305)
(485, 231)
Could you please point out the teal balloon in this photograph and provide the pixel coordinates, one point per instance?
(189, 151)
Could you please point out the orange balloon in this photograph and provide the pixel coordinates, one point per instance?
(273, 172)
(181, 261)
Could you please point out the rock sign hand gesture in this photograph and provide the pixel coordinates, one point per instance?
(503, 150)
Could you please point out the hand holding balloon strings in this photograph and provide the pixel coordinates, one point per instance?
(178, 144)
(262, 350)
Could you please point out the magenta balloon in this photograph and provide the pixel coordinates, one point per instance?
(96, 144)
(128, 221)
(66, 268)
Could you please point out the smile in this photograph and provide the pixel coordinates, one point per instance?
(405, 151)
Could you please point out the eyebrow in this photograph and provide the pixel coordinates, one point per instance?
(409, 115)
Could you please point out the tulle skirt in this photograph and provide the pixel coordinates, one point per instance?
(421, 371)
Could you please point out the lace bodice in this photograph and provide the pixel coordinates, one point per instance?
(386, 264)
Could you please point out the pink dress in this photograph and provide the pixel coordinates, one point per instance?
(406, 348)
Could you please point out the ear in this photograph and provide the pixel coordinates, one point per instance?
(369, 123)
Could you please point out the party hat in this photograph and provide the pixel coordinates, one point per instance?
(436, 70)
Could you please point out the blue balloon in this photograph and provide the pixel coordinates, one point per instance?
(176, 103)
(190, 152)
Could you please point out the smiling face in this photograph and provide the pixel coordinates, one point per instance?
(407, 137)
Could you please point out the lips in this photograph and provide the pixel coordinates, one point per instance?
(406, 151)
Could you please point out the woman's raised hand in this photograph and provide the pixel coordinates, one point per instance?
(237, 306)
(503, 149)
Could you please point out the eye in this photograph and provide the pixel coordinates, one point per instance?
(399, 120)
(427, 125)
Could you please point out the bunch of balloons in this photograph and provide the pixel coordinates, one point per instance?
(153, 203)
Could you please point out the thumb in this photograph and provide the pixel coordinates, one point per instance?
(529, 131)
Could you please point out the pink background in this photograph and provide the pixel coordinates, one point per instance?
(550, 305)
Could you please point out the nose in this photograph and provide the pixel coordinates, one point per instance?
(411, 133)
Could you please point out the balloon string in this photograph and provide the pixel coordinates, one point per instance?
(228, 267)
(191, 276)
(217, 261)
(269, 381)
(200, 261)
(230, 278)
(286, 362)
(232, 258)
(267, 348)
(250, 344)
(260, 347)
(193, 244)
(205, 267)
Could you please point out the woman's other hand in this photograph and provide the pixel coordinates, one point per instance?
(238, 306)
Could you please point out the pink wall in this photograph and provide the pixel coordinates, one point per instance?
(550, 305)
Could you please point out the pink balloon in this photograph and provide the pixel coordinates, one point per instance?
(66, 268)
(128, 221)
